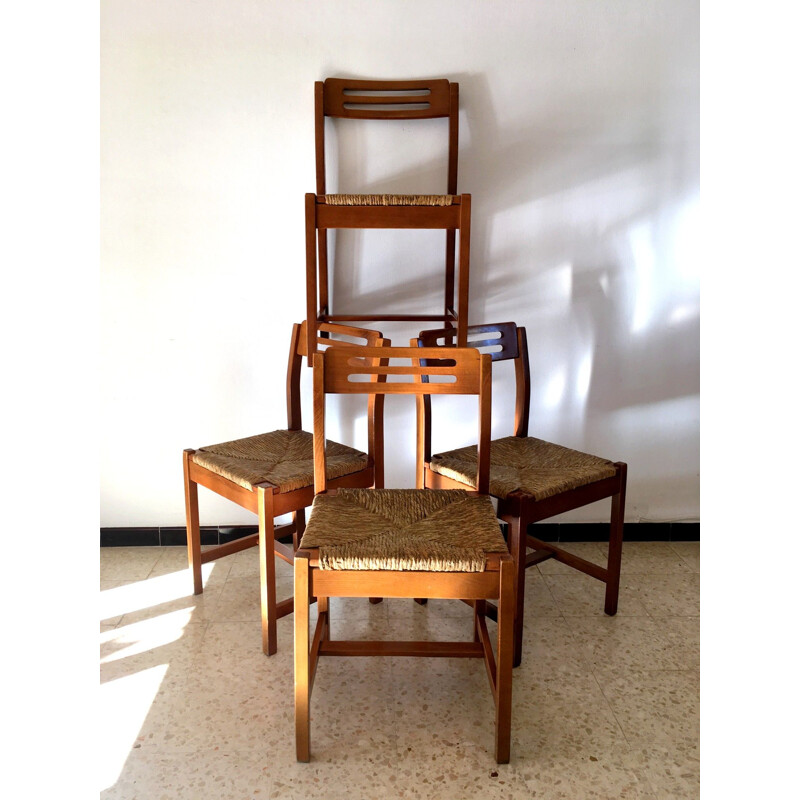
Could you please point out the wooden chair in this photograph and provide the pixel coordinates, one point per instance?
(273, 474)
(531, 479)
(403, 542)
(355, 99)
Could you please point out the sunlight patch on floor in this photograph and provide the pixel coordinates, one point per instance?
(145, 636)
(124, 705)
(146, 594)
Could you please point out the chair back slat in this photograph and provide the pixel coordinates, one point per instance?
(336, 336)
(370, 99)
(502, 335)
(505, 341)
(456, 370)
(378, 371)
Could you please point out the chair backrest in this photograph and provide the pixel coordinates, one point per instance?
(505, 341)
(329, 336)
(353, 98)
(370, 370)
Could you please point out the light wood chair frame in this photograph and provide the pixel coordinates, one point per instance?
(519, 510)
(387, 100)
(332, 374)
(266, 500)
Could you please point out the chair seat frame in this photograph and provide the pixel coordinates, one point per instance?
(497, 582)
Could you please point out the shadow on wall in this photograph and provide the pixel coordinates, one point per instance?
(583, 220)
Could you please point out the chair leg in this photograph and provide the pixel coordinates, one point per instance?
(505, 654)
(192, 525)
(299, 519)
(479, 610)
(615, 543)
(323, 608)
(517, 545)
(301, 659)
(266, 557)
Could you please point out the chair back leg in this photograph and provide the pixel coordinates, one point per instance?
(615, 543)
(505, 654)
(517, 545)
(192, 525)
(302, 687)
(266, 558)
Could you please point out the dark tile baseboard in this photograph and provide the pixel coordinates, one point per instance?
(546, 531)
(634, 531)
(171, 535)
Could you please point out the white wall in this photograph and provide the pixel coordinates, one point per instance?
(579, 144)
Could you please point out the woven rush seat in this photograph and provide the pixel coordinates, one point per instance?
(446, 530)
(525, 465)
(389, 199)
(283, 458)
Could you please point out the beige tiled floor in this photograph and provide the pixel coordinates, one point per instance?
(603, 707)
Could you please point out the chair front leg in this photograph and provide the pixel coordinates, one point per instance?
(301, 657)
(615, 543)
(478, 610)
(266, 556)
(505, 655)
(299, 519)
(192, 524)
(517, 545)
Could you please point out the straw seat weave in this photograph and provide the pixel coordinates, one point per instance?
(526, 465)
(283, 458)
(389, 199)
(403, 529)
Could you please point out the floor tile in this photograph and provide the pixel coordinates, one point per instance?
(659, 706)
(233, 650)
(175, 560)
(404, 608)
(539, 596)
(603, 706)
(639, 557)
(130, 648)
(128, 563)
(110, 613)
(240, 599)
(636, 643)
(560, 715)
(344, 610)
(454, 771)
(577, 595)
(246, 563)
(158, 595)
(148, 774)
(689, 553)
(440, 703)
(667, 594)
(550, 648)
(596, 775)
(351, 706)
(344, 771)
(673, 771)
